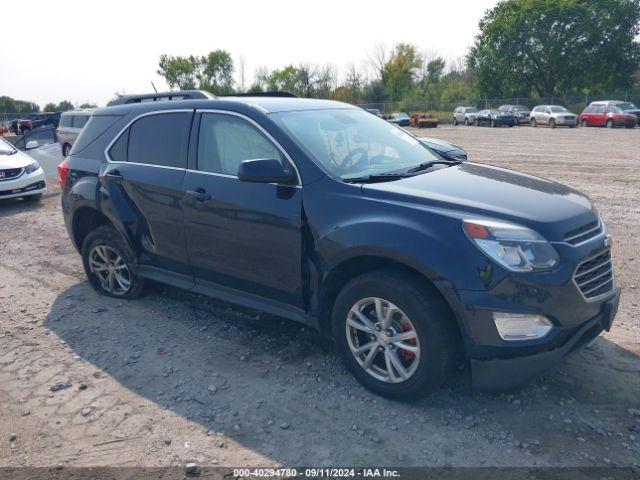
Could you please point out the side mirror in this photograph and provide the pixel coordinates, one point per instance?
(31, 144)
(264, 170)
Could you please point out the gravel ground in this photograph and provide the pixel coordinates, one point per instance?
(175, 378)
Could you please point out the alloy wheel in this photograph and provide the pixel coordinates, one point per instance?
(383, 340)
(111, 269)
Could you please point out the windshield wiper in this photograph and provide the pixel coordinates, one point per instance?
(378, 177)
(425, 165)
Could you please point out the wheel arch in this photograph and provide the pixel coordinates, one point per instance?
(349, 268)
(85, 220)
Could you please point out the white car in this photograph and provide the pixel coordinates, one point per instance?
(20, 175)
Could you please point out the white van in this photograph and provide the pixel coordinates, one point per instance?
(71, 123)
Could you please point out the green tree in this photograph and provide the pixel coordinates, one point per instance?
(212, 72)
(88, 105)
(9, 105)
(399, 73)
(548, 47)
(64, 105)
(50, 107)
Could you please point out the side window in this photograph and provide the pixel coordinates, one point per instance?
(43, 137)
(160, 139)
(65, 120)
(225, 141)
(80, 121)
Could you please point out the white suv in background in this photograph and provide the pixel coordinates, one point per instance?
(466, 115)
(20, 175)
(554, 116)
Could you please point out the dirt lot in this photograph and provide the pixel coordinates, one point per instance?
(175, 378)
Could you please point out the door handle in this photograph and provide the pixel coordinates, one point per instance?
(114, 175)
(199, 194)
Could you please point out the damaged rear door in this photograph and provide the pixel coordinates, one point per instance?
(143, 185)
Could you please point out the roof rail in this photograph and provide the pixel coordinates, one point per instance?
(261, 94)
(163, 96)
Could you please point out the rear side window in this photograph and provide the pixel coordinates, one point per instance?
(66, 120)
(159, 139)
(80, 121)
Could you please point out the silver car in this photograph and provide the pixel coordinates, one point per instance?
(466, 115)
(554, 116)
(71, 124)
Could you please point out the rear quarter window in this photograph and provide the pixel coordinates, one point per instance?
(80, 121)
(95, 127)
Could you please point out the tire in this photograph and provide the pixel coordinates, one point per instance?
(455, 122)
(32, 198)
(552, 123)
(111, 244)
(493, 124)
(609, 124)
(466, 122)
(534, 123)
(584, 123)
(65, 150)
(435, 341)
(476, 123)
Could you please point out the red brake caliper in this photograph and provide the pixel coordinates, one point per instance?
(409, 356)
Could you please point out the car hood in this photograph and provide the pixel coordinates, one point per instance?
(17, 160)
(474, 190)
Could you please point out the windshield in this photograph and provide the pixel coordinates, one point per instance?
(399, 115)
(626, 106)
(557, 109)
(615, 109)
(496, 112)
(6, 148)
(471, 110)
(351, 143)
(520, 108)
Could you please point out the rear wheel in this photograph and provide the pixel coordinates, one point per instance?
(552, 123)
(66, 149)
(609, 123)
(455, 122)
(395, 334)
(107, 261)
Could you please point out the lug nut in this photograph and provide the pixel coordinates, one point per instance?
(390, 332)
(377, 327)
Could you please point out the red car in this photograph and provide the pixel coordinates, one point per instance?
(600, 115)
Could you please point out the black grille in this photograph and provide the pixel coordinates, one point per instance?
(584, 233)
(594, 277)
(10, 173)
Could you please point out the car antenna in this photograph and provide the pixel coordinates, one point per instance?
(154, 87)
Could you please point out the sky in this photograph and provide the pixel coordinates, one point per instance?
(85, 51)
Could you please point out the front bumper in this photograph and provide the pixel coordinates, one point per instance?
(25, 184)
(497, 374)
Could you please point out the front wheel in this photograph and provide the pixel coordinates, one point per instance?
(534, 123)
(108, 261)
(493, 124)
(466, 122)
(395, 334)
(585, 123)
(609, 124)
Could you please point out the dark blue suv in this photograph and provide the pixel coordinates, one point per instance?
(320, 212)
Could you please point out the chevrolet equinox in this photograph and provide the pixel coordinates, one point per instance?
(320, 212)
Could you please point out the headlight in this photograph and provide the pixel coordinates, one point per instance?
(32, 167)
(516, 248)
